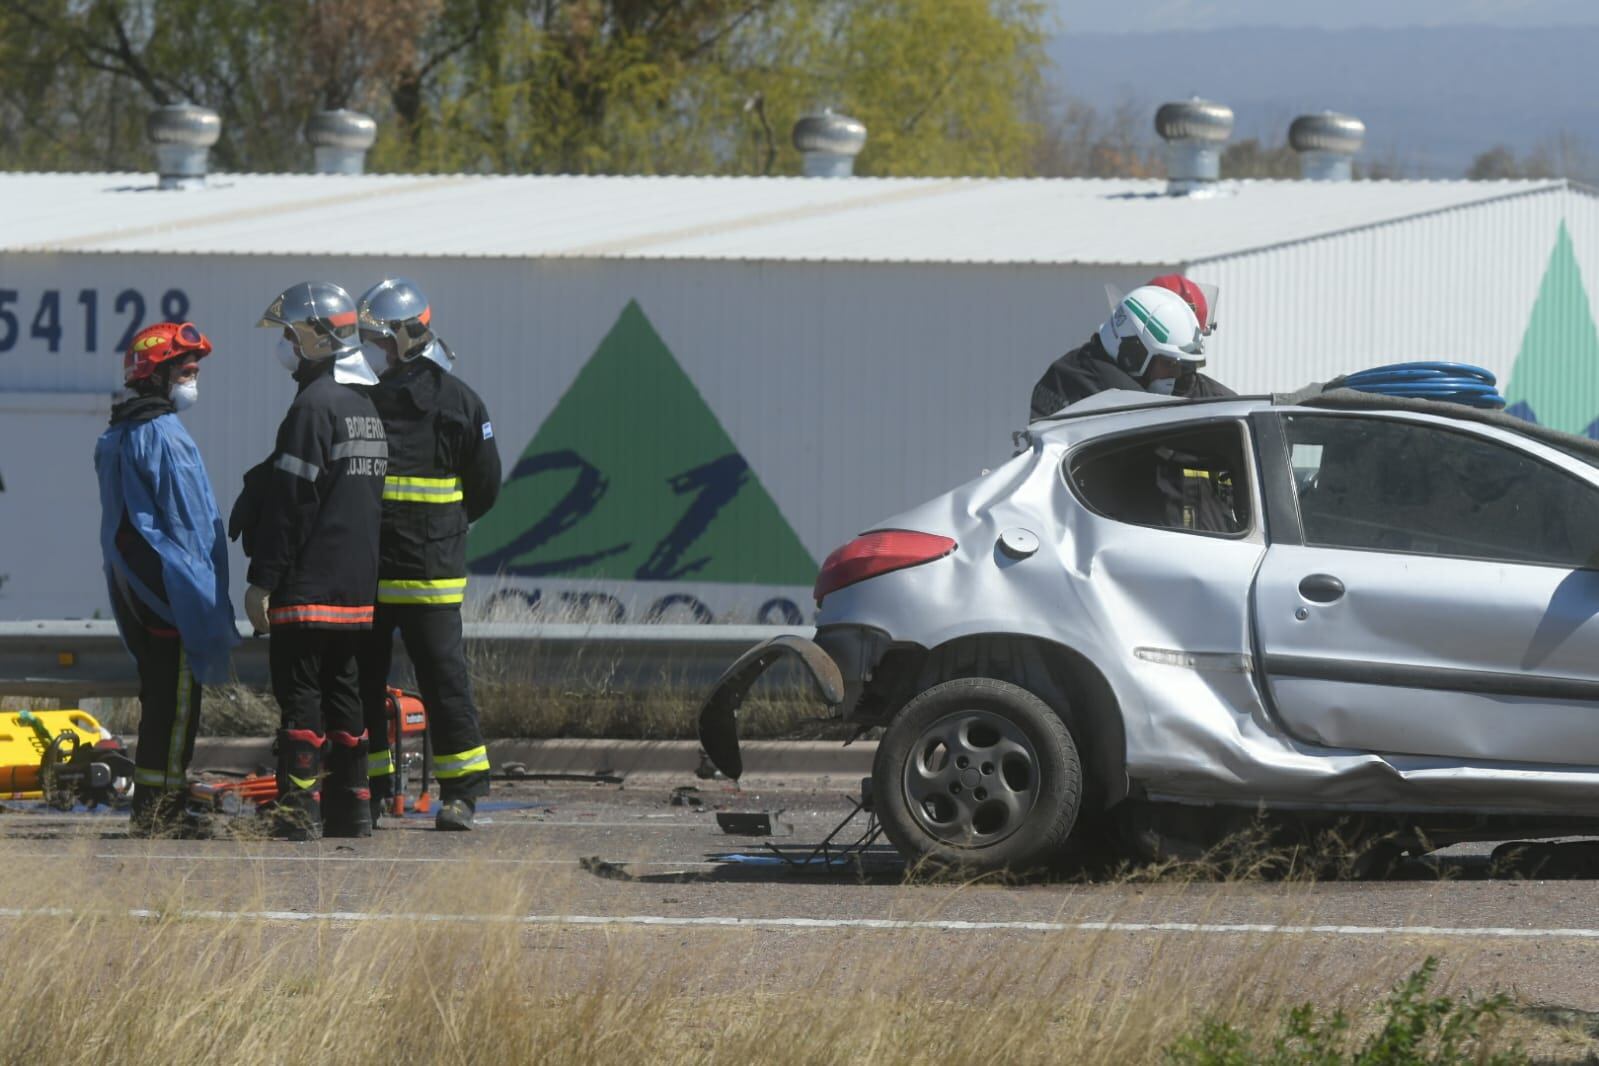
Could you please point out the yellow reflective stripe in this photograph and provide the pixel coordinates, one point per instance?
(451, 775)
(475, 761)
(416, 496)
(442, 590)
(424, 482)
(380, 763)
(1197, 473)
(307, 783)
(422, 489)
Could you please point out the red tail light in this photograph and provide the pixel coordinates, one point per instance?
(877, 553)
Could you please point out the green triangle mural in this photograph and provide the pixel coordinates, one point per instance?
(632, 477)
(1555, 379)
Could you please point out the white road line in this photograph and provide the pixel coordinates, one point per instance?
(890, 924)
(379, 859)
(534, 823)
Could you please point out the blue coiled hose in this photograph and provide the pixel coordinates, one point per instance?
(1450, 382)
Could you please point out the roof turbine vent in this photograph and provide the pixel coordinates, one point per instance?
(830, 142)
(1327, 144)
(341, 139)
(182, 135)
(1194, 131)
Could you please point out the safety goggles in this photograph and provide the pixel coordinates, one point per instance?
(183, 340)
(188, 336)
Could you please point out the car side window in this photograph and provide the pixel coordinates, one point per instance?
(1188, 478)
(1387, 485)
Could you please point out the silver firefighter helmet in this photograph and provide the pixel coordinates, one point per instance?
(321, 321)
(396, 310)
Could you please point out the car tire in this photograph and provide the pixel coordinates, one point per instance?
(977, 776)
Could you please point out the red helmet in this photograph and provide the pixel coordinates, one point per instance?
(1202, 298)
(161, 343)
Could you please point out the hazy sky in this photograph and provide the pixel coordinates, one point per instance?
(1131, 16)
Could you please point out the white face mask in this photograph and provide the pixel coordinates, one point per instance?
(287, 355)
(184, 394)
(1163, 386)
(376, 355)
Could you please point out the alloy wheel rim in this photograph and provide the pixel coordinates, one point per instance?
(972, 779)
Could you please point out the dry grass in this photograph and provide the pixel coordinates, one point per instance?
(608, 699)
(597, 696)
(94, 986)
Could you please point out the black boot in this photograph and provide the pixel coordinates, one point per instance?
(162, 813)
(456, 813)
(298, 813)
(347, 800)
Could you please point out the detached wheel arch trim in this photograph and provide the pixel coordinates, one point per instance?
(718, 721)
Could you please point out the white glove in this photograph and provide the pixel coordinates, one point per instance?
(256, 600)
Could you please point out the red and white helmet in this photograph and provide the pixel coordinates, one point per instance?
(161, 343)
(1200, 297)
(1152, 322)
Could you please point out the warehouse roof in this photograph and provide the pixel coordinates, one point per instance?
(963, 220)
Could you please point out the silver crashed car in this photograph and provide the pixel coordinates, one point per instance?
(1334, 607)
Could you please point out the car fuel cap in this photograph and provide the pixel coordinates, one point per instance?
(1018, 543)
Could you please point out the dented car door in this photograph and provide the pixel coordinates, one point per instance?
(1430, 590)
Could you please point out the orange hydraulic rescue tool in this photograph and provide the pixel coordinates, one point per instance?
(407, 717)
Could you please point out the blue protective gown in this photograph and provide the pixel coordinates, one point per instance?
(151, 472)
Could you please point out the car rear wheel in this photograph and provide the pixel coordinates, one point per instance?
(977, 775)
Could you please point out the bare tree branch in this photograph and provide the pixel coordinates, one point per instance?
(938, 91)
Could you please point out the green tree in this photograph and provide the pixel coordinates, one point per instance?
(528, 86)
(632, 86)
(264, 65)
(942, 85)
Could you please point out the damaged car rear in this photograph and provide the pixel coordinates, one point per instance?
(1162, 615)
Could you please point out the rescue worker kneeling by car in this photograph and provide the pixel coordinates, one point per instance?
(1156, 342)
(166, 564)
(444, 473)
(1100, 364)
(309, 516)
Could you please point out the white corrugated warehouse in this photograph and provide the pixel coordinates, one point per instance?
(701, 386)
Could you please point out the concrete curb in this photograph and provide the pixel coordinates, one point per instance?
(767, 763)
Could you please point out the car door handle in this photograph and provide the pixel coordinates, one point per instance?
(1321, 588)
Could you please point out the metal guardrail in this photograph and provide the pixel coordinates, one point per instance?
(73, 660)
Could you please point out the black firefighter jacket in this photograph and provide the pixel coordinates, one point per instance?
(444, 473)
(309, 515)
(1082, 372)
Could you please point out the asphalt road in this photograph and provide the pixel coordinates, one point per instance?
(662, 886)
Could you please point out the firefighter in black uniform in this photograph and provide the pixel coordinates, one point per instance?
(444, 473)
(310, 518)
(1153, 342)
(1099, 364)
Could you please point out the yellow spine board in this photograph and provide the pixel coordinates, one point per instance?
(21, 749)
